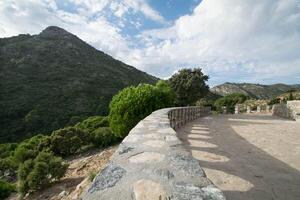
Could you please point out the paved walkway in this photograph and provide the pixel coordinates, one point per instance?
(250, 156)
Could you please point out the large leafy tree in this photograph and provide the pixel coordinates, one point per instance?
(189, 86)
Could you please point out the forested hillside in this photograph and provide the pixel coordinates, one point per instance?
(54, 79)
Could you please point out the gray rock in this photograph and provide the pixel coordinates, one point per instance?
(164, 173)
(187, 164)
(124, 149)
(107, 178)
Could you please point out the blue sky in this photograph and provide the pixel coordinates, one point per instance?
(254, 41)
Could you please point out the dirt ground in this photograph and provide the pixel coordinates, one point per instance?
(250, 156)
(76, 179)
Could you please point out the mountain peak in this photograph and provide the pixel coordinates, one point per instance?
(54, 32)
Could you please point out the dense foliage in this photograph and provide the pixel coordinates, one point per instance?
(37, 173)
(6, 189)
(189, 86)
(46, 85)
(66, 141)
(36, 162)
(133, 104)
(93, 123)
(230, 101)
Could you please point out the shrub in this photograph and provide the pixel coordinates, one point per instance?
(8, 168)
(92, 123)
(7, 149)
(132, 104)
(6, 189)
(28, 149)
(67, 141)
(92, 175)
(38, 173)
(103, 137)
(274, 101)
(204, 102)
(230, 101)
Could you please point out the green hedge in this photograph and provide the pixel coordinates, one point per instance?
(6, 189)
(132, 104)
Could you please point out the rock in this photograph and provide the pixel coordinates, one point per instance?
(155, 143)
(165, 173)
(211, 192)
(185, 191)
(148, 190)
(124, 149)
(107, 178)
(147, 157)
(62, 194)
(187, 164)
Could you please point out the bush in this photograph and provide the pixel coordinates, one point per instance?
(92, 175)
(204, 102)
(103, 137)
(8, 168)
(28, 149)
(6, 189)
(92, 123)
(132, 104)
(230, 101)
(67, 141)
(38, 173)
(7, 149)
(274, 101)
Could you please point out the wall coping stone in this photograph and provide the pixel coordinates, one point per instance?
(151, 163)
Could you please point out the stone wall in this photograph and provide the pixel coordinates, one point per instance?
(152, 164)
(290, 110)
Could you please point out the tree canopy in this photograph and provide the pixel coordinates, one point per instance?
(189, 86)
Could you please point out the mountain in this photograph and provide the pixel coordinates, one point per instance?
(53, 79)
(257, 91)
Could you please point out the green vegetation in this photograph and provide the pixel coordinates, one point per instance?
(36, 174)
(133, 104)
(189, 86)
(229, 101)
(36, 162)
(6, 189)
(92, 175)
(46, 85)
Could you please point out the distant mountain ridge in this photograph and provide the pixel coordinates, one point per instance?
(254, 90)
(54, 79)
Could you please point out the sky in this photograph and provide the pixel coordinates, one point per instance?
(256, 41)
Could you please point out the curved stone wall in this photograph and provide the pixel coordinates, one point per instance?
(152, 164)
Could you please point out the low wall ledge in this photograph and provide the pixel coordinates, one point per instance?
(151, 163)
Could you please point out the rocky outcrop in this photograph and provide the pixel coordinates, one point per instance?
(151, 163)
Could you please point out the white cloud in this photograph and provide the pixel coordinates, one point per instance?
(243, 40)
(233, 40)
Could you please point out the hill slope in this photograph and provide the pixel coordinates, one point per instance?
(53, 79)
(254, 90)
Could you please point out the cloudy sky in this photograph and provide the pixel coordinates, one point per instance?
(232, 40)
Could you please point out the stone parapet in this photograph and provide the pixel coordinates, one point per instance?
(290, 110)
(152, 164)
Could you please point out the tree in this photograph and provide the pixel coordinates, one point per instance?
(189, 86)
(132, 104)
(230, 100)
(291, 97)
